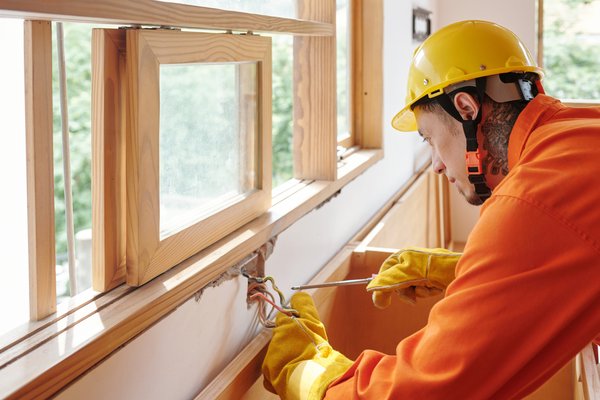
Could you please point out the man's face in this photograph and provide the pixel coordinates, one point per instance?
(447, 140)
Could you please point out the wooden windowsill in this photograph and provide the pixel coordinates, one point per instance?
(47, 357)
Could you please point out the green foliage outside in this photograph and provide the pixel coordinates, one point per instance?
(78, 65)
(342, 78)
(283, 163)
(572, 49)
(77, 39)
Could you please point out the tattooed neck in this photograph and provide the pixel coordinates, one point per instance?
(496, 131)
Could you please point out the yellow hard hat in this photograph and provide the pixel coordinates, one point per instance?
(460, 52)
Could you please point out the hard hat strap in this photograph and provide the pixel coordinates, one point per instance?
(473, 156)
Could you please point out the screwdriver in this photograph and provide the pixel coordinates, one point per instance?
(335, 283)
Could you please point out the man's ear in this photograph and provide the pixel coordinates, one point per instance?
(466, 105)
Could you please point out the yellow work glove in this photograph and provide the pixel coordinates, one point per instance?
(300, 363)
(413, 272)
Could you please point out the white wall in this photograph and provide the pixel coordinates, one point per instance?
(179, 355)
(520, 17)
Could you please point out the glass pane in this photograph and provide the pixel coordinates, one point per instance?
(277, 8)
(14, 278)
(572, 48)
(77, 45)
(283, 67)
(208, 139)
(343, 68)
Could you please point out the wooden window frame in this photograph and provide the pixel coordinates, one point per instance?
(108, 152)
(315, 122)
(366, 75)
(540, 58)
(28, 359)
(40, 168)
(149, 255)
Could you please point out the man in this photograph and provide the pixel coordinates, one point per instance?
(526, 297)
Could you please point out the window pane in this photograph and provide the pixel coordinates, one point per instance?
(278, 8)
(14, 283)
(77, 44)
(572, 48)
(208, 130)
(283, 68)
(343, 68)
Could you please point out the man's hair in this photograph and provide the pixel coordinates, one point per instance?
(509, 110)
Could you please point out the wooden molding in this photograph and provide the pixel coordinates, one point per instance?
(149, 255)
(368, 73)
(108, 158)
(159, 13)
(315, 115)
(40, 168)
(540, 33)
(590, 374)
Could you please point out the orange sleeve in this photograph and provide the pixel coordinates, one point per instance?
(525, 301)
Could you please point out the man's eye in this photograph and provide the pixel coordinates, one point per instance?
(428, 140)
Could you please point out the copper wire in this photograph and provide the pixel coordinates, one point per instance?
(259, 293)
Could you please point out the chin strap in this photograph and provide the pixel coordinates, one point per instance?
(473, 155)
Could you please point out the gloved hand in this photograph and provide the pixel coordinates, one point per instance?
(300, 363)
(413, 272)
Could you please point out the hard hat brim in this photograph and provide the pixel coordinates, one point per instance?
(405, 120)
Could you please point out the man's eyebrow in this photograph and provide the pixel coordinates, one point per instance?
(420, 133)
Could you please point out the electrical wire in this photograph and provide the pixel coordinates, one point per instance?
(260, 294)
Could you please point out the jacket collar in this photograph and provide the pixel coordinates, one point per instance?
(537, 112)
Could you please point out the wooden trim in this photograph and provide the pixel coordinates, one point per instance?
(147, 254)
(40, 168)
(159, 13)
(347, 141)
(540, 33)
(444, 207)
(108, 159)
(233, 382)
(368, 74)
(42, 372)
(315, 114)
(55, 325)
(590, 374)
(357, 70)
(434, 211)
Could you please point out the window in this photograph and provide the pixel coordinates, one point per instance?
(283, 67)
(569, 48)
(155, 204)
(344, 71)
(77, 48)
(198, 159)
(14, 285)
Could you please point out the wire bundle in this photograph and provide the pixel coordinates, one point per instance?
(259, 293)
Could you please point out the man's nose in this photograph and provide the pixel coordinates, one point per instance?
(436, 162)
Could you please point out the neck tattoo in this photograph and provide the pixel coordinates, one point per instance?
(496, 131)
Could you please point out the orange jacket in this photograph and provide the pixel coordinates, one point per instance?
(526, 297)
